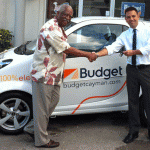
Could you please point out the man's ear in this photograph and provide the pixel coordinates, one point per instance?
(57, 14)
(125, 18)
(139, 14)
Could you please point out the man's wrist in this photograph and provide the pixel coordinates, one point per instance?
(97, 54)
(137, 52)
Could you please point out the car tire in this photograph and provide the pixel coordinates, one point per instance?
(15, 112)
(143, 116)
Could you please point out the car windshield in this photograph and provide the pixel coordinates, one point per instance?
(29, 47)
(93, 37)
(26, 49)
(71, 24)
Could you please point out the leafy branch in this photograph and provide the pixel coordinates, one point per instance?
(5, 39)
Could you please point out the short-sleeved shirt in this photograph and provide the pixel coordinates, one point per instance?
(49, 59)
(126, 39)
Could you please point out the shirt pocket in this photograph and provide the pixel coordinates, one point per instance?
(142, 40)
(128, 42)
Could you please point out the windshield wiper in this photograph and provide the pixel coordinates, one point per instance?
(22, 48)
(25, 47)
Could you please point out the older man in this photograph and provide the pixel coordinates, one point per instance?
(47, 70)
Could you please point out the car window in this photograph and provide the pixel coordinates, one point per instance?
(69, 25)
(90, 37)
(125, 28)
(94, 37)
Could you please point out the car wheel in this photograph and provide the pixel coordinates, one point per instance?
(143, 116)
(15, 112)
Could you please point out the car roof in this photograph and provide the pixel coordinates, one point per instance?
(82, 19)
(89, 18)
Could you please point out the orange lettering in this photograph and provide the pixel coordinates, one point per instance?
(5, 78)
(27, 77)
(20, 78)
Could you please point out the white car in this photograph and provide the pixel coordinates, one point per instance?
(87, 87)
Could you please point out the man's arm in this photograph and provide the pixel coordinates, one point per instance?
(60, 46)
(78, 53)
(145, 50)
(127, 53)
(110, 49)
(132, 52)
(103, 52)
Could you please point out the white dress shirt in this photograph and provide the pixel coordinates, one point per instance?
(126, 39)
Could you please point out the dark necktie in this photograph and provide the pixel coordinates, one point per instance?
(134, 47)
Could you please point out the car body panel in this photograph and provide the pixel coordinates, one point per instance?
(87, 87)
(16, 76)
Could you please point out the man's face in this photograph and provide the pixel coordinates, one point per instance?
(64, 17)
(132, 18)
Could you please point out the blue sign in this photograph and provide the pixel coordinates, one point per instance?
(139, 6)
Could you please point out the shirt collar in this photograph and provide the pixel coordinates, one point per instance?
(137, 28)
(62, 29)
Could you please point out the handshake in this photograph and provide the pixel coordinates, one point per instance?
(92, 57)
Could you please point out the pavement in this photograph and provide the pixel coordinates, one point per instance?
(83, 132)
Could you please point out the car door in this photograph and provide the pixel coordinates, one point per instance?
(99, 86)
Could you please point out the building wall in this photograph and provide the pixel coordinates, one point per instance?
(34, 17)
(2, 13)
(7, 17)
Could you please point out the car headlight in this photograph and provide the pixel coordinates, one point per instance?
(4, 63)
(2, 54)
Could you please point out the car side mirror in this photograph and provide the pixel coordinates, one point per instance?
(110, 37)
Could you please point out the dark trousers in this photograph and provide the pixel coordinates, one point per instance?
(136, 78)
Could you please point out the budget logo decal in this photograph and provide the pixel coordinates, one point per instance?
(74, 72)
(95, 73)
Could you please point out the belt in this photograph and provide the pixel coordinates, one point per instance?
(139, 66)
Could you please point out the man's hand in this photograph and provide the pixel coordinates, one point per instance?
(78, 53)
(92, 57)
(129, 52)
(132, 52)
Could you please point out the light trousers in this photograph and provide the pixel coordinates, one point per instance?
(45, 99)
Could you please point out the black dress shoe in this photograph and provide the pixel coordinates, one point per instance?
(148, 134)
(131, 137)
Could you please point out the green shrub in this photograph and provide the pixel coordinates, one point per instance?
(5, 39)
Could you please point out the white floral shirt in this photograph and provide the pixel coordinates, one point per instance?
(49, 59)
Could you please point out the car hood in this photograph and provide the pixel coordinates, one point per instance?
(7, 54)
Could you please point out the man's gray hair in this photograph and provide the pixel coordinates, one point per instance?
(63, 7)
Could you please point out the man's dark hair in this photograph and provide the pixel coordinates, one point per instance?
(130, 9)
